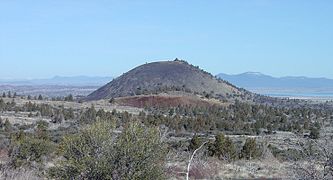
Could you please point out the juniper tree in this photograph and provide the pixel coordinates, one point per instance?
(195, 143)
(250, 149)
(7, 126)
(40, 97)
(223, 148)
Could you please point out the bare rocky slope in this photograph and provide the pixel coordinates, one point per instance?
(164, 77)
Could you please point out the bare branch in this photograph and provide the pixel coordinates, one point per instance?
(191, 158)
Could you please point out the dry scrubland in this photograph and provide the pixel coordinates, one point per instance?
(287, 164)
(165, 120)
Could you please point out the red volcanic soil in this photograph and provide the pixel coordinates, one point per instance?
(162, 101)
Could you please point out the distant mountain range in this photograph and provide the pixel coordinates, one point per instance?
(253, 81)
(61, 81)
(266, 84)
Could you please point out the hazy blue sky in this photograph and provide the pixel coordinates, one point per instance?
(43, 38)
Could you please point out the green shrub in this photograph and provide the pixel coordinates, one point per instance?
(96, 153)
(314, 133)
(7, 126)
(89, 115)
(250, 149)
(26, 149)
(195, 143)
(223, 148)
(85, 154)
(139, 154)
(286, 154)
(41, 130)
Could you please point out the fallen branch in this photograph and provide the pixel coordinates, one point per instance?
(191, 158)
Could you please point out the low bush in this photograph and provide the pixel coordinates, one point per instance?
(96, 153)
(26, 149)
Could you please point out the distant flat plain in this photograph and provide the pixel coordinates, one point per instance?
(64, 90)
(307, 94)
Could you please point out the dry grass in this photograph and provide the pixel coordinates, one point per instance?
(241, 169)
(18, 174)
(165, 101)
